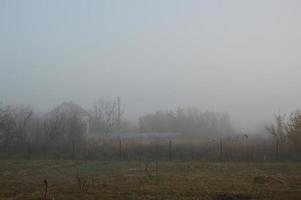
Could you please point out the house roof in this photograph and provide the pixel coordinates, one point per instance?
(68, 108)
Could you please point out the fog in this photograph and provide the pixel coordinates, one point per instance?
(235, 57)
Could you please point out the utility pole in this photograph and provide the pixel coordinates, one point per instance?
(119, 112)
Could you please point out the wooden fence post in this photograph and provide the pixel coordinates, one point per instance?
(169, 150)
(221, 149)
(120, 149)
(157, 167)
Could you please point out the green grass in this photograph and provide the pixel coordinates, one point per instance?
(128, 180)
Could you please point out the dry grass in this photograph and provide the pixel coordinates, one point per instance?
(129, 180)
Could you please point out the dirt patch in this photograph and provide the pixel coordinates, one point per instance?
(229, 196)
(267, 180)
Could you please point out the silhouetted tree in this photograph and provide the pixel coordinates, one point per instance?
(190, 121)
(106, 116)
(293, 129)
(278, 132)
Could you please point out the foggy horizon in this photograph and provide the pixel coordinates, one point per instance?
(241, 58)
(141, 99)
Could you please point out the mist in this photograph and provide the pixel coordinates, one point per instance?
(173, 99)
(235, 57)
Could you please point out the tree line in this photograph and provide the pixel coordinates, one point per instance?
(61, 132)
(286, 132)
(190, 121)
(70, 132)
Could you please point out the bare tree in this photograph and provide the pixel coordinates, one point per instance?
(14, 127)
(62, 129)
(22, 116)
(106, 116)
(293, 129)
(7, 127)
(278, 132)
(75, 131)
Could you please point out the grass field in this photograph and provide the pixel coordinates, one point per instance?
(129, 180)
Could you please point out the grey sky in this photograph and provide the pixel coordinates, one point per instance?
(240, 57)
